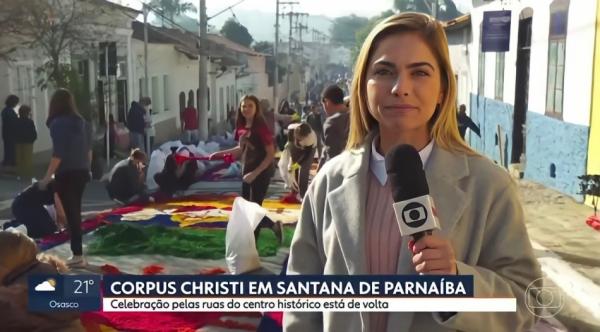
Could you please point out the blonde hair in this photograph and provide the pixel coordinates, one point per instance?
(443, 124)
(16, 250)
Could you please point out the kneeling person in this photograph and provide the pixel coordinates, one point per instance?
(40, 211)
(126, 182)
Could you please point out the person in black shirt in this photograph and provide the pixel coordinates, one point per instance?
(9, 118)
(126, 181)
(315, 120)
(40, 210)
(464, 122)
(25, 136)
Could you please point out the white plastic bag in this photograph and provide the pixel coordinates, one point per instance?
(156, 165)
(241, 254)
(285, 161)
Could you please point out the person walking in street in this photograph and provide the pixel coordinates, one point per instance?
(465, 122)
(25, 137)
(136, 125)
(256, 150)
(404, 93)
(335, 128)
(9, 119)
(70, 163)
(190, 124)
(315, 120)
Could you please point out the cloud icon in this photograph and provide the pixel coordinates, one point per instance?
(46, 286)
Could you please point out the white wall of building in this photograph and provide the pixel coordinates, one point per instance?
(223, 83)
(170, 72)
(19, 78)
(459, 57)
(578, 57)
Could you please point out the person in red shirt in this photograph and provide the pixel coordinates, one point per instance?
(190, 124)
(256, 151)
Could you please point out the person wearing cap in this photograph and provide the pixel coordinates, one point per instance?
(126, 181)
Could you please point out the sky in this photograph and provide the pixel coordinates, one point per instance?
(331, 8)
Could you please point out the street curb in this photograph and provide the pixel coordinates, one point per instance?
(579, 288)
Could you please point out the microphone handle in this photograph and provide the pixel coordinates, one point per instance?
(417, 236)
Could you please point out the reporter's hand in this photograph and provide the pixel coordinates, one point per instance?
(433, 254)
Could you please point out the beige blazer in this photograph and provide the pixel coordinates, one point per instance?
(479, 211)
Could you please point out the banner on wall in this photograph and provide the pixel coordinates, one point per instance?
(495, 34)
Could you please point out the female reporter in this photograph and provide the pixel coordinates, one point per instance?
(404, 92)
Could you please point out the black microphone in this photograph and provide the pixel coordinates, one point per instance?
(412, 203)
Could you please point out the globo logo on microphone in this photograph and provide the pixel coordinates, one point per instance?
(414, 214)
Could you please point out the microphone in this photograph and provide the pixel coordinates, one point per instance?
(412, 203)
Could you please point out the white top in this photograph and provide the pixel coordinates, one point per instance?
(377, 164)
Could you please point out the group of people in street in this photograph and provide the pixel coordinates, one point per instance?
(18, 135)
(140, 126)
(403, 92)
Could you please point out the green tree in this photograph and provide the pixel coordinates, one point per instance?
(263, 47)
(236, 32)
(172, 8)
(344, 28)
(363, 32)
(57, 28)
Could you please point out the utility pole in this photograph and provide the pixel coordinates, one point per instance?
(107, 106)
(298, 26)
(275, 56)
(276, 51)
(289, 57)
(146, 80)
(146, 88)
(202, 72)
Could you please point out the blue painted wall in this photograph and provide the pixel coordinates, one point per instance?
(488, 114)
(549, 141)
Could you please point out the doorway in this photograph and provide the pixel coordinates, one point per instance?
(521, 85)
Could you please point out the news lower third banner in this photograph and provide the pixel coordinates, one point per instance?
(119, 293)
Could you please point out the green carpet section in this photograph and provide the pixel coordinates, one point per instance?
(128, 239)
